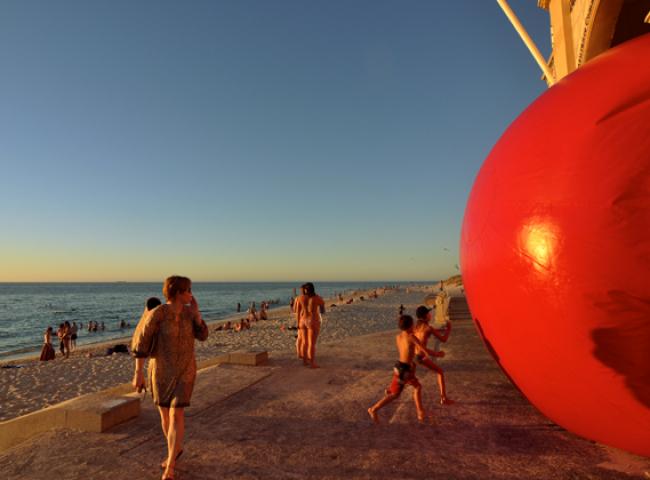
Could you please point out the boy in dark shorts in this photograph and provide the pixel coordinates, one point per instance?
(423, 330)
(404, 371)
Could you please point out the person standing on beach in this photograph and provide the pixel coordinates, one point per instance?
(238, 307)
(67, 339)
(301, 335)
(64, 338)
(47, 352)
(308, 308)
(423, 330)
(166, 334)
(60, 333)
(73, 336)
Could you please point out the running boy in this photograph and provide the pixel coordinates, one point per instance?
(404, 369)
(423, 330)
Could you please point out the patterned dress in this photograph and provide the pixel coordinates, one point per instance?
(169, 344)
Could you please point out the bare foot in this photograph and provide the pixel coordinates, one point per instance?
(169, 473)
(446, 401)
(373, 416)
(163, 464)
(423, 416)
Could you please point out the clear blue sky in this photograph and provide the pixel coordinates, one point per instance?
(250, 140)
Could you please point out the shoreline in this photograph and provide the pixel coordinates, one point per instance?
(32, 385)
(34, 355)
(28, 311)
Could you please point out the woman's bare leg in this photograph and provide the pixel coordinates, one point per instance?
(175, 434)
(300, 344)
(302, 337)
(164, 423)
(164, 420)
(312, 338)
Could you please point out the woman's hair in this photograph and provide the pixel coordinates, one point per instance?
(309, 290)
(174, 285)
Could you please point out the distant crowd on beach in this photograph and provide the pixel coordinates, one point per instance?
(252, 316)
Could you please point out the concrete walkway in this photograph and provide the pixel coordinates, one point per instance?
(283, 421)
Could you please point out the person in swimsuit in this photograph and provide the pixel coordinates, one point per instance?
(308, 307)
(73, 336)
(404, 370)
(60, 333)
(423, 330)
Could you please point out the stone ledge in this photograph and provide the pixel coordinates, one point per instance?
(95, 412)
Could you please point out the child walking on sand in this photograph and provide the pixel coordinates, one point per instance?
(423, 330)
(404, 370)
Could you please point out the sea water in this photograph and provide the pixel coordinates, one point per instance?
(27, 309)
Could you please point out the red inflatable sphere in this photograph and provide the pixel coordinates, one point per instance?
(555, 250)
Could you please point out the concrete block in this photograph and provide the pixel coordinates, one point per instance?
(248, 358)
(98, 413)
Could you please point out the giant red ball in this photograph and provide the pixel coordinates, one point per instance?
(555, 250)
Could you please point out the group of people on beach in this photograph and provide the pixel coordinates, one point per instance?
(412, 349)
(67, 334)
(245, 323)
(166, 333)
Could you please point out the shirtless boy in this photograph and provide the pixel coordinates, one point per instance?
(404, 369)
(423, 330)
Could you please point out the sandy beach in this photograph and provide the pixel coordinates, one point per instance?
(283, 421)
(33, 385)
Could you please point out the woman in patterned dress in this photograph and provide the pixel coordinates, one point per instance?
(166, 335)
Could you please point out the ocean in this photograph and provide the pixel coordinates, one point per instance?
(27, 309)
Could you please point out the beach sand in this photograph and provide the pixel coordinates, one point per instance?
(36, 385)
(283, 421)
